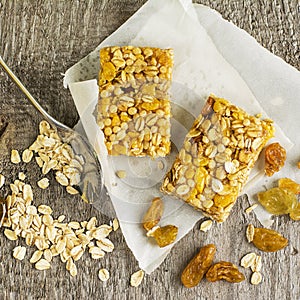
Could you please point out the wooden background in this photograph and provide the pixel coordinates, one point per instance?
(40, 39)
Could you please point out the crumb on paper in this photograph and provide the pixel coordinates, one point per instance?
(160, 165)
(121, 174)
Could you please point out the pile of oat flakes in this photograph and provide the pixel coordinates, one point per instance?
(52, 236)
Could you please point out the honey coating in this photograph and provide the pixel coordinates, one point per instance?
(134, 106)
(217, 156)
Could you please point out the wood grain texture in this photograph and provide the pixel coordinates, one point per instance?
(40, 40)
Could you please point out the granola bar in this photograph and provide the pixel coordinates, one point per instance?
(134, 105)
(217, 156)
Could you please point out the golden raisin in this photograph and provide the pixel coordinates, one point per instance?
(295, 213)
(268, 240)
(208, 107)
(198, 266)
(289, 184)
(153, 214)
(224, 270)
(275, 156)
(165, 235)
(278, 201)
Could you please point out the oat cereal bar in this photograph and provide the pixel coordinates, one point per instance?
(217, 156)
(134, 105)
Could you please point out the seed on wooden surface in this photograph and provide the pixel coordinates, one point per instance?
(256, 278)
(61, 218)
(91, 223)
(15, 157)
(96, 252)
(11, 235)
(71, 190)
(19, 252)
(136, 278)
(101, 232)
(251, 208)
(73, 270)
(36, 256)
(14, 188)
(74, 225)
(206, 225)
(48, 255)
(115, 224)
(61, 179)
(21, 176)
(248, 260)
(27, 193)
(27, 155)
(45, 209)
(42, 264)
(75, 250)
(256, 267)
(250, 233)
(43, 183)
(106, 245)
(103, 274)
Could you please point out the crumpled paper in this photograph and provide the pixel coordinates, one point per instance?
(206, 61)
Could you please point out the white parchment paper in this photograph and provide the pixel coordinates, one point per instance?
(205, 62)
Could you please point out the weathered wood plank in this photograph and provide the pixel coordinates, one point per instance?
(40, 40)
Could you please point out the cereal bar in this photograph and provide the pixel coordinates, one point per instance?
(134, 105)
(217, 156)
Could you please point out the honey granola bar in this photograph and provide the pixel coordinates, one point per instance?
(217, 156)
(134, 105)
